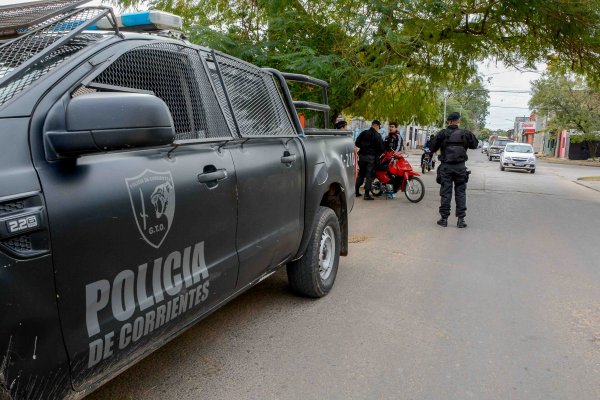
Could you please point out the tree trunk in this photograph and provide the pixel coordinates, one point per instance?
(593, 148)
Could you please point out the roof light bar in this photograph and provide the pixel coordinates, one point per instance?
(152, 20)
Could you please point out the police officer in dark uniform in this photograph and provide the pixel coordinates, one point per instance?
(370, 144)
(453, 142)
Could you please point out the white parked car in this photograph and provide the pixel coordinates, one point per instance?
(518, 156)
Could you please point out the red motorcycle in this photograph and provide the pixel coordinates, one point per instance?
(395, 173)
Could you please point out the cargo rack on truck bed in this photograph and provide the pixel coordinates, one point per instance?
(323, 107)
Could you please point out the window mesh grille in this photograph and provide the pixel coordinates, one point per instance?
(83, 90)
(175, 74)
(257, 104)
(25, 15)
(14, 53)
(220, 92)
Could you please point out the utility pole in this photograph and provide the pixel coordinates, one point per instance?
(445, 94)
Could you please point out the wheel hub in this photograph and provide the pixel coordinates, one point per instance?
(326, 253)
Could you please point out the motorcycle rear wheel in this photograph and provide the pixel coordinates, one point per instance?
(414, 190)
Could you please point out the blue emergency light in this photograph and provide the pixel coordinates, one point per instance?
(142, 21)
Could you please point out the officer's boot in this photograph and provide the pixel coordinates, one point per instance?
(461, 222)
(443, 222)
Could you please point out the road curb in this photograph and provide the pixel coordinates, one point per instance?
(570, 162)
(586, 186)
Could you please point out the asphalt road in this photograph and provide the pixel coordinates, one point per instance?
(508, 308)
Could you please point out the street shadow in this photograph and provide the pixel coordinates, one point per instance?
(199, 344)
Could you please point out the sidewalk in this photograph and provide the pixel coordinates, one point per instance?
(590, 182)
(583, 163)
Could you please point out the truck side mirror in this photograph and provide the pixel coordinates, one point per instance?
(108, 121)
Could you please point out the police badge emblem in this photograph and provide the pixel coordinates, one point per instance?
(152, 196)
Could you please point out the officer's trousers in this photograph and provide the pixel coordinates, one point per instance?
(453, 175)
(366, 170)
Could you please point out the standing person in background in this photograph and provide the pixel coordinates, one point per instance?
(393, 140)
(341, 124)
(453, 142)
(371, 146)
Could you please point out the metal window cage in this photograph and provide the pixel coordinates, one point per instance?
(176, 74)
(19, 18)
(31, 56)
(221, 95)
(257, 104)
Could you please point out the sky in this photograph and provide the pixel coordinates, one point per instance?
(504, 107)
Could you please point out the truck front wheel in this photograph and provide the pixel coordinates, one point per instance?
(314, 274)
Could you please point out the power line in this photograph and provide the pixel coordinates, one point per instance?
(509, 91)
(522, 108)
(496, 91)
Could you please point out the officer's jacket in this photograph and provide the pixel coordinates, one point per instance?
(439, 141)
(370, 143)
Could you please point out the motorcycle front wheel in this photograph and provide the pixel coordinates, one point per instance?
(414, 190)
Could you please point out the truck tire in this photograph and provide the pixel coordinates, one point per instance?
(314, 274)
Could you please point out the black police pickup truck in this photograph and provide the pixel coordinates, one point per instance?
(144, 183)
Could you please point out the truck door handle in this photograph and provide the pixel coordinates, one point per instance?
(288, 158)
(213, 177)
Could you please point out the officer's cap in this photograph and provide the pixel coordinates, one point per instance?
(453, 116)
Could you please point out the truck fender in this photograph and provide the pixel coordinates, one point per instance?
(332, 195)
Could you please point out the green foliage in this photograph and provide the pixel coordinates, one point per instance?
(472, 103)
(570, 103)
(390, 59)
(484, 134)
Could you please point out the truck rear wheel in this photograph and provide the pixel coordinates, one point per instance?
(314, 274)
